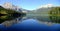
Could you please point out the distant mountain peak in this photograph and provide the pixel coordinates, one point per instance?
(7, 5)
(46, 6)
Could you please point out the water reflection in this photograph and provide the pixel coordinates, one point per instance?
(46, 14)
(55, 15)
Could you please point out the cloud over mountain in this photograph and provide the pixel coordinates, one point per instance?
(46, 6)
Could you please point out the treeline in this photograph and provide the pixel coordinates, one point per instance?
(55, 14)
(9, 14)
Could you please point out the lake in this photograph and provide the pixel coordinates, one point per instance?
(31, 25)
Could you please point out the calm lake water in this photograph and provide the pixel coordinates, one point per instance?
(31, 25)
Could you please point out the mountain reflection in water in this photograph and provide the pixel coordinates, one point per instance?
(30, 24)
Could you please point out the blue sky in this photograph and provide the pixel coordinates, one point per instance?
(31, 4)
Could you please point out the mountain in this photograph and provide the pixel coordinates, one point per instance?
(46, 6)
(1, 7)
(9, 17)
(42, 13)
(42, 10)
(8, 5)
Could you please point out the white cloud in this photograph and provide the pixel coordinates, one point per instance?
(45, 6)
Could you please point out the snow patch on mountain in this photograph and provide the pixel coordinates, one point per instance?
(46, 6)
(8, 5)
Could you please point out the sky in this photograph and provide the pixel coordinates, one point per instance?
(31, 4)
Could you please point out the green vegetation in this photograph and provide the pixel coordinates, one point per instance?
(55, 14)
(9, 14)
